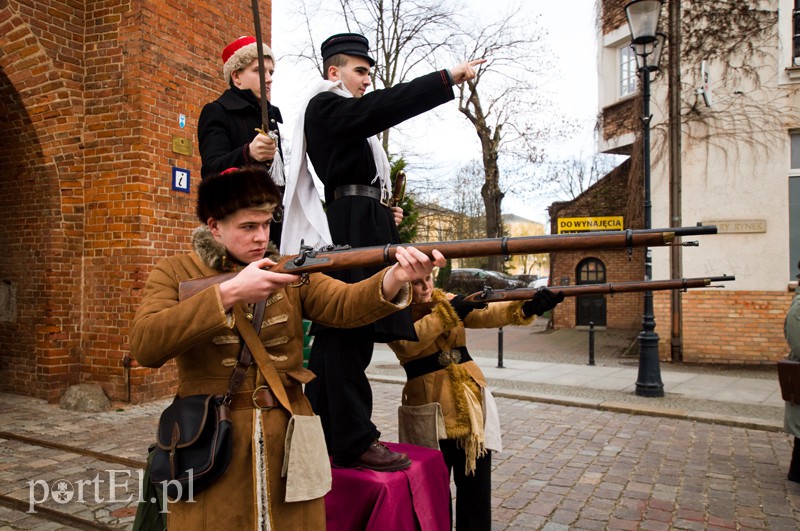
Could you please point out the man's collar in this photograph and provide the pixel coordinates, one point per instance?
(235, 100)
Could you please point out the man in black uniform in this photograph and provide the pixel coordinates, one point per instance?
(340, 125)
(226, 129)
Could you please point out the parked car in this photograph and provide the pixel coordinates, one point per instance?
(526, 278)
(470, 280)
(540, 283)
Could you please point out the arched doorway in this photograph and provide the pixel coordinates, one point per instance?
(590, 308)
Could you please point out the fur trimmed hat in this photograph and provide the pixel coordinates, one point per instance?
(241, 53)
(221, 195)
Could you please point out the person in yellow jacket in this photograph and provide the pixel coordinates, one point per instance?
(440, 370)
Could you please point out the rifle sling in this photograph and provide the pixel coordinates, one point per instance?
(245, 356)
(265, 364)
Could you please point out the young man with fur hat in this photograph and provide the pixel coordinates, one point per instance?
(337, 128)
(226, 129)
(440, 370)
(199, 334)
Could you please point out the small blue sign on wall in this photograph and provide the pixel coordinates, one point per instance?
(180, 179)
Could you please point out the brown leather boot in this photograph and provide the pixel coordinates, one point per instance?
(379, 457)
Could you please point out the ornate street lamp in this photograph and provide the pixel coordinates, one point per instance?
(647, 45)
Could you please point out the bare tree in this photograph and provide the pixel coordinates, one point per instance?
(506, 104)
(404, 34)
(570, 178)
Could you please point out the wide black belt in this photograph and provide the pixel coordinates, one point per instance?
(436, 361)
(358, 189)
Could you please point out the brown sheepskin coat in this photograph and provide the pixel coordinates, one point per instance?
(199, 335)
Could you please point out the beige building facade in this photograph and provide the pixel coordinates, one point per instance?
(726, 153)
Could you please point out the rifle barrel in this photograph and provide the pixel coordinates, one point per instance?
(490, 295)
(311, 261)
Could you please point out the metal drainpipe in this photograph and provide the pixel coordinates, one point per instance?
(676, 251)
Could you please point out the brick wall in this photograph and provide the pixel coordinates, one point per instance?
(607, 197)
(723, 326)
(613, 14)
(91, 95)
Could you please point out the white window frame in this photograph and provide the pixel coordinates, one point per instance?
(788, 62)
(794, 215)
(627, 77)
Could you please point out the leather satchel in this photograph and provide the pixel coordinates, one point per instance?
(194, 441)
(193, 445)
(789, 379)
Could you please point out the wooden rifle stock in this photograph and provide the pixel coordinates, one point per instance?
(519, 294)
(335, 258)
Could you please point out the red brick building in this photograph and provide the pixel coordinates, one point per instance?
(91, 95)
(606, 198)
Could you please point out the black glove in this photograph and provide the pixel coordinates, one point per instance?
(541, 302)
(463, 307)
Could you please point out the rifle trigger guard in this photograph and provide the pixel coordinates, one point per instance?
(302, 282)
(629, 243)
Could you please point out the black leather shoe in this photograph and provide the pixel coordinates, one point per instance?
(379, 457)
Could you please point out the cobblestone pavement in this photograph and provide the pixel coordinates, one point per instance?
(562, 467)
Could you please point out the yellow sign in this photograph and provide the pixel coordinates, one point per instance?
(567, 225)
(182, 146)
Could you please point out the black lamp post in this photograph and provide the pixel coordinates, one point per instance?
(647, 45)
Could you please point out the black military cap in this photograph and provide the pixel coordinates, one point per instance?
(348, 44)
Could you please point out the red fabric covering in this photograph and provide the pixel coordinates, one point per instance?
(415, 498)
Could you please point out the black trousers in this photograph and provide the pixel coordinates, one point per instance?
(794, 467)
(341, 394)
(473, 492)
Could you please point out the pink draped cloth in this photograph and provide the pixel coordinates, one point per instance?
(415, 498)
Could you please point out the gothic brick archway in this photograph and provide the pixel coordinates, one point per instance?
(43, 220)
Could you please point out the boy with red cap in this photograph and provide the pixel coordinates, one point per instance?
(227, 127)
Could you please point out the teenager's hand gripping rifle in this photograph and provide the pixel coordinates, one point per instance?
(334, 258)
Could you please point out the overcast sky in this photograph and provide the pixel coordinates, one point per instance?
(571, 35)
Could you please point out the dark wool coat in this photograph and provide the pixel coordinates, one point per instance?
(227, 126)
(225, 129)
(199, 336)
(337, 129)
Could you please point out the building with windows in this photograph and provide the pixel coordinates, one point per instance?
(725, 151)
(437, 223)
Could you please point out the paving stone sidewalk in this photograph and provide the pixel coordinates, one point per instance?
(562, 467)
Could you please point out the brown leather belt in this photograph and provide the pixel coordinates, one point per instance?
(359, 189)
(260, 398)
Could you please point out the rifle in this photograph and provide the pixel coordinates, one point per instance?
(335, 257)
(522, 294)
(519, 294)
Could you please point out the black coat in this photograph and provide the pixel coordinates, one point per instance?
(336, 130)
(225, 129)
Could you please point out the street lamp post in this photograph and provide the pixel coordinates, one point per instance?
(643, 18)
